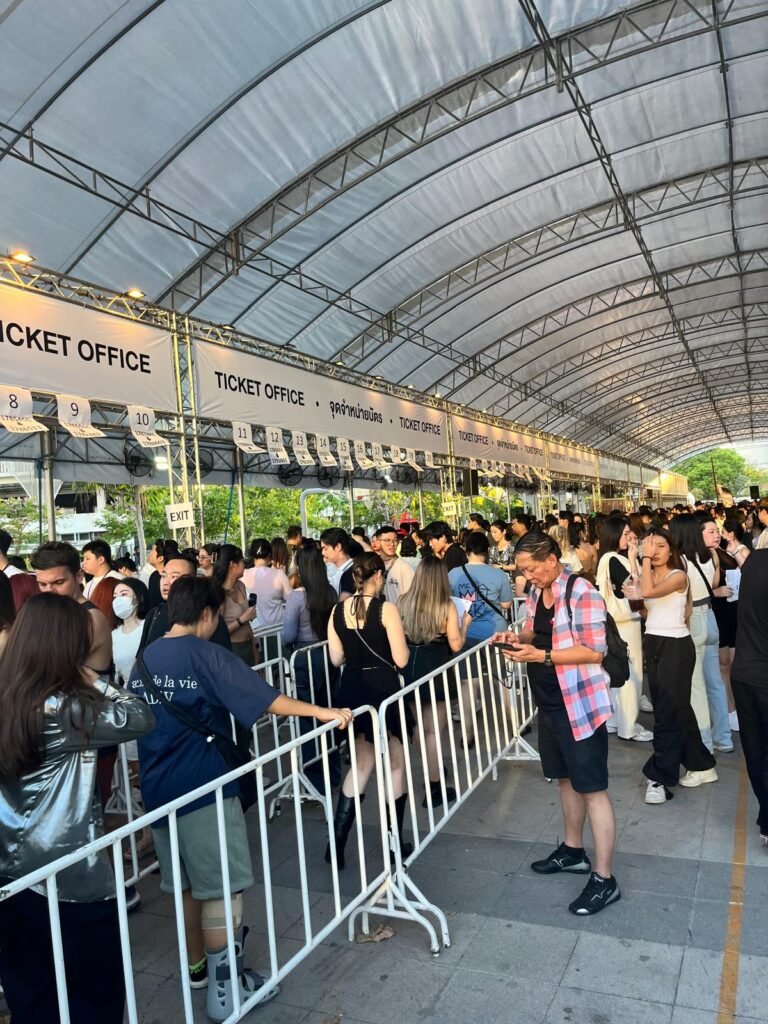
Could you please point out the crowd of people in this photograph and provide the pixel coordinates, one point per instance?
(162, 655)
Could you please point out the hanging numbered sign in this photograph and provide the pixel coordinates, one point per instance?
(16, 411)
(142, 422)
(301, 448)
(361, 456)
(473, 463)
(410, 458)
(429, 460)
(242, 435)
(324, 453)
(278, 456)
(75, 416)
(377, 452)
(345, 453)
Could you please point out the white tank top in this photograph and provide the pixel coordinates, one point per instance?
(666, 615)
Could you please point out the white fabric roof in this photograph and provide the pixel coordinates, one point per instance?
(555, 211)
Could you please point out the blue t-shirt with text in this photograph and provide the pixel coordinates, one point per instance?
(491, 583)
(210, 682)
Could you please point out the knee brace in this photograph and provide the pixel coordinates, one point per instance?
(214, 915)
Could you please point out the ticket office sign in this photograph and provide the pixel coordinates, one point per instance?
(473, 439)
(572, 461)
(237, 385)
(47, 344)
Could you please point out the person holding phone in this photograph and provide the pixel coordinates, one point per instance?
(563, 642)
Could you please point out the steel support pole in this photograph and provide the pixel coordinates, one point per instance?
(240, 496)
(138, 516)
(50, 493)
(351, 497)
(421, 503)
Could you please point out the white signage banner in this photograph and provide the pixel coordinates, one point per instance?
(234, 383)
(429, 460)
(612, 469)
(51, 345)
(75, 416)
(142, 422)
(278, 456)
(242, 435)
(377, 452)
(475, 440)
(635, 473)
(180, 516)
(16, 411)
(568, 460)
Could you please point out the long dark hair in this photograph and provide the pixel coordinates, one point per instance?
(226, 555)
(31, 672)
(611, 531)
(321, 597)
(281, 556)
(685, 531)
(675, 555)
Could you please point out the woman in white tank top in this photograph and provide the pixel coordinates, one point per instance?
(670, 658)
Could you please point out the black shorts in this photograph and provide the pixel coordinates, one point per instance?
(584, 762)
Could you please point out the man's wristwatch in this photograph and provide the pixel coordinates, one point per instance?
(548, 658)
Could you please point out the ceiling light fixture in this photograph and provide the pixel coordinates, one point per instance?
(21, 256)
(135, 293)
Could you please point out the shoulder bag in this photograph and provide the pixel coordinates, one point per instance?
(616, 660)
(230, 752)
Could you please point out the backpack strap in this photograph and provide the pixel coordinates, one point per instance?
(568, 591)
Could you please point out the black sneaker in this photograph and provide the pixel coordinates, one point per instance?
(437, 795)
(563, 859)
(198, 974)
(597, 893)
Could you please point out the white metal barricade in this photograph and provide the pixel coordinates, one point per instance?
(371, 876)
(455, 758)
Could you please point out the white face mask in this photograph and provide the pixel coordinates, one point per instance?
(123, 606)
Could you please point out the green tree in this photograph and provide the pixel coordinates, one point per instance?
(20, 517)
(732, 471)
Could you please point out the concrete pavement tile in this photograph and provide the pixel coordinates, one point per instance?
(752, 993)
(472, 851)
(468, 890)
(699, 985)
(575, 1006)
(714, 880)
(628, 967)
(518, 950)
(708, 921)
(471, 996)
(754, 935)
(639, 872)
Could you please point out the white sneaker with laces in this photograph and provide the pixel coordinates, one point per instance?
(655, 793)
(645, 705)
(692, 779)
(733, 721)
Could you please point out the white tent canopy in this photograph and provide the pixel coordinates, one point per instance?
(552, 211)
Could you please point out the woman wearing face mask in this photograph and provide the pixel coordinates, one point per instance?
(129, 604)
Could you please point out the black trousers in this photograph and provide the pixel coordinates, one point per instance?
(93, 961)
(752, 709)
(677, 741)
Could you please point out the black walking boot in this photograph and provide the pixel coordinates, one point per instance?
(342, 824)
(406, 849)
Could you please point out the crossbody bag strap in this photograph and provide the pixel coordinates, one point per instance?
(179, 713)
(481, 595)
(708, 585)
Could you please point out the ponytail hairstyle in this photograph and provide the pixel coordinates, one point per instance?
(227, 555)
(260, 550)
(364, 567)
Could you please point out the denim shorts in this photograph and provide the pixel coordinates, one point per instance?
(584, 762)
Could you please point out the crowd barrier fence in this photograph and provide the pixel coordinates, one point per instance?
(493, 706)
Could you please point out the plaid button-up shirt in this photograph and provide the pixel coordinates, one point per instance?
(585, 688)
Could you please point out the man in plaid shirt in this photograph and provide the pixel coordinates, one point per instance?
(564, 654)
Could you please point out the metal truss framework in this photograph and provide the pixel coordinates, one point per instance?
(644, 27)
(690, 440)
(397, 325)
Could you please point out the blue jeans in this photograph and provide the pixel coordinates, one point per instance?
(716, 696)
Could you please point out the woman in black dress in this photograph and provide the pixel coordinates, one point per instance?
(365, 635)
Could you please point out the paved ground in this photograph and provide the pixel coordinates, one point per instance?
(518, 956)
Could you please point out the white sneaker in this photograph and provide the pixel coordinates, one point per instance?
(692, 779)
(655, 793)
(733, 721)
(641, 735)
(645, 705)
(611, 729)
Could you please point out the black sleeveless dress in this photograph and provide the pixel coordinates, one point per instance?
(427, 660)
(370, 674)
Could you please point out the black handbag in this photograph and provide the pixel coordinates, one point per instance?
(616, 660)
(230, 752)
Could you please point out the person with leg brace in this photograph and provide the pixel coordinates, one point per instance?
(183, 675)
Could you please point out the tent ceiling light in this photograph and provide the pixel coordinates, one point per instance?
(21, 256)
(135, 293)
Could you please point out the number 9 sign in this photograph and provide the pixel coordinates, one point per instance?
(74, 410)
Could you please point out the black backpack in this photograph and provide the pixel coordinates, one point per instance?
(616, 660)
